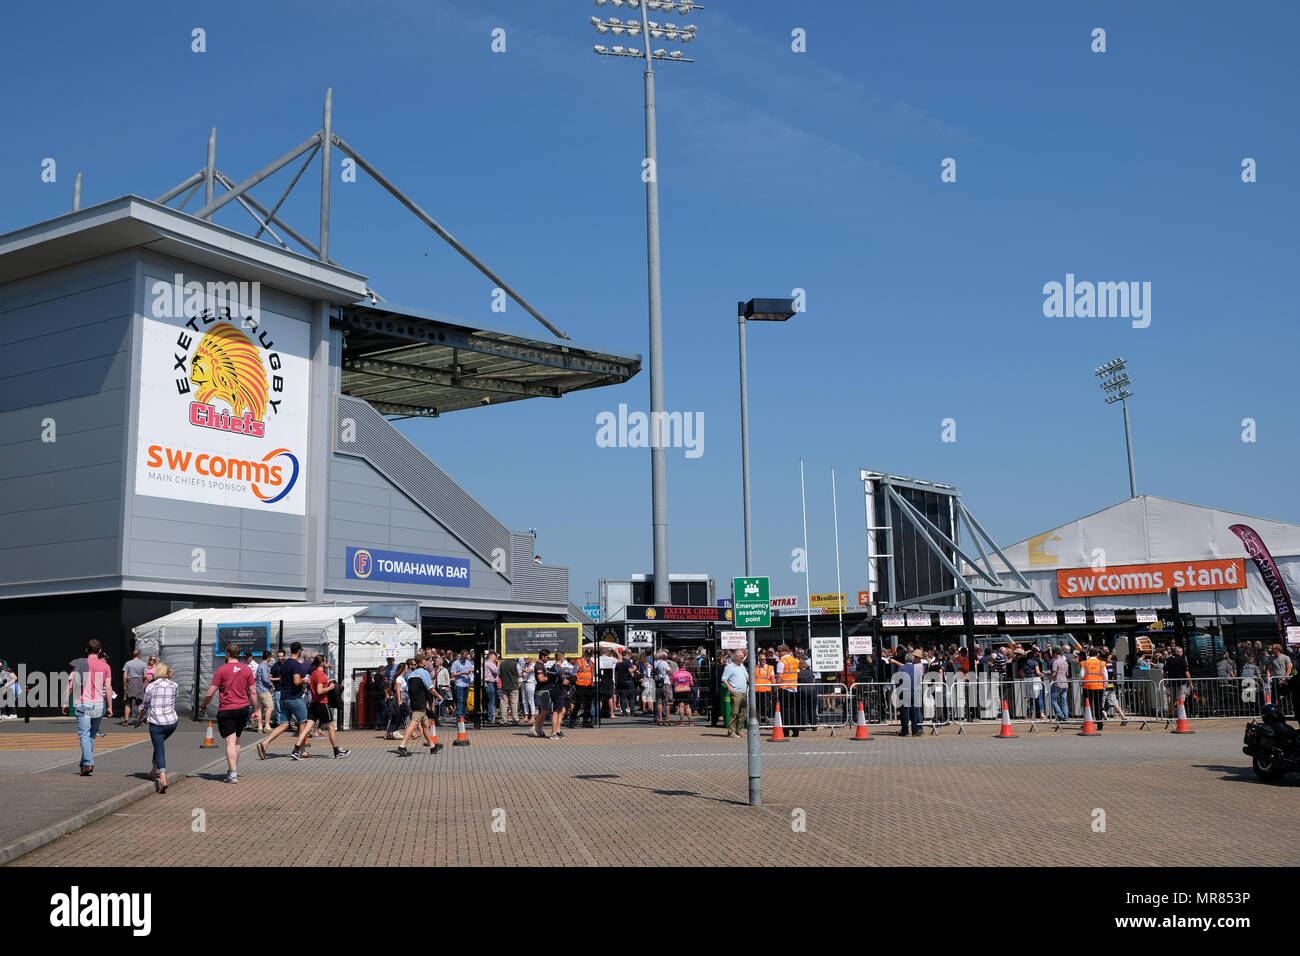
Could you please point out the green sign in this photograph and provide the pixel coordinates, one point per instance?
(751, 606)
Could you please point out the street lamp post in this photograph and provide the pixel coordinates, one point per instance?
(652, 30)
(1116, 388)
(757, 310)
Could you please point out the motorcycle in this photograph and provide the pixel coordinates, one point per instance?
(1273, 745)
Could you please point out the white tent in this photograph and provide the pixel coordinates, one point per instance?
(370, 640)
(1148, 530)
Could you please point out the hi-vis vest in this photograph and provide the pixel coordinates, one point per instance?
(1094, 674)
(763, 677)
(790, 675)
(586, 673)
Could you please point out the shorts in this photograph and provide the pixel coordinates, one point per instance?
(543, 700)
(134, 702)
(1112, 699)
(265, 700)
(663, 693)
(417, 716)
(232, 722)
(681, 697)
(648, 696)
(294, 707)
(320, 713)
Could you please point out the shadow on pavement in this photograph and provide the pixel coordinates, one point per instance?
(1240, 774)
(611, 777)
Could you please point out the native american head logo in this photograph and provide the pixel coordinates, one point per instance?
(226, 365)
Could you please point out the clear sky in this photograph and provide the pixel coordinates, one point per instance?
(817, 170)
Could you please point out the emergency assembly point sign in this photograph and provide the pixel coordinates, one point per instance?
(751, 602)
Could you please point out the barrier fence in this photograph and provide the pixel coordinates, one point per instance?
(806, 707)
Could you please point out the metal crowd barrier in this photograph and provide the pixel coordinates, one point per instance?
(1210, 698)
(807, 707)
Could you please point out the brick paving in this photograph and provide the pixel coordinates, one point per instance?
(631, 796)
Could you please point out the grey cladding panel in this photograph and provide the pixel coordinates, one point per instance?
(65, 340)
(393, 456)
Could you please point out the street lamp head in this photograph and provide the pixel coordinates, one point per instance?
(768, 310)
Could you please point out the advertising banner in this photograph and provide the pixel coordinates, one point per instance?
(223, 406)
(1259, 553)
(677, 612)
(254, 638)
(951, 618)
(1015, 617)
(372, 564)
(1103, 617)
(1076, 617)
(1152, 578)
(918, 618)
(525, 640)
(893, 620)
(986, 618)
(831, 602)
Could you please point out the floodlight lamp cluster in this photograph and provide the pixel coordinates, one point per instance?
(683, 7)
(1114, 365)
(676, 55)
(634, 28)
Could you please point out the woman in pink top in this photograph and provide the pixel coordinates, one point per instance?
(683, 682)
(90, 691)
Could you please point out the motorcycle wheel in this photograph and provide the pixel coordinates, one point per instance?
(1267, 770)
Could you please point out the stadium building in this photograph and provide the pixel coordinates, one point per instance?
(192, 417)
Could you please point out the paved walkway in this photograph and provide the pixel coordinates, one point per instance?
(645, 795)
(41, 786)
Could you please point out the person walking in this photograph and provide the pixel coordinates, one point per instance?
(1113, 676)
(293, 705)
(421, 693)
(233, 685)
(399, 710)
(735, 677)
(277, 717)
(158, 708)
(321, 686)
(133, 672)
(1180, 680)
(88, 694)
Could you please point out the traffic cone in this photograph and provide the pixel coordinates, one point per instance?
(777, 732)
(207, 738)
(461, 740)
(1182, 727)
(1089, 727)
(1006, 730)
(433, 733)
(1267, 697)
(861, 732)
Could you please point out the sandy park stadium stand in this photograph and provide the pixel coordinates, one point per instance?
(193, 418)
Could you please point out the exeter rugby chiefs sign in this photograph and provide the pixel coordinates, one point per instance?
(223, 398)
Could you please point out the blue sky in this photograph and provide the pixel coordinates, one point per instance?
(779, 170)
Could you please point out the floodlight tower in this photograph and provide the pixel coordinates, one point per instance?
(1116, 388)
(652, 30)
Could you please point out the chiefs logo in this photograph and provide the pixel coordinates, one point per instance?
(226, 365)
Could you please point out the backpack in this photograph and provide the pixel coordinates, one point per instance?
(659, 678)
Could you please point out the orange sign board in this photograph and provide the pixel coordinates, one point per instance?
(1152, 578)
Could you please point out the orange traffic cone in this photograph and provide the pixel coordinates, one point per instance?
(1089, 727)
(1182, 727)
(861, 732)
(433, 733)
(1006, 730)
(207, 738)
(1267, 698)
(461, 740)
(777, 732)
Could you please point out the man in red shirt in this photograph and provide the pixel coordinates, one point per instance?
(318, 711)
(233, 682)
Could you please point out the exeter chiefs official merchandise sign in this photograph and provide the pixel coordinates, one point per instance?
(223, 399)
